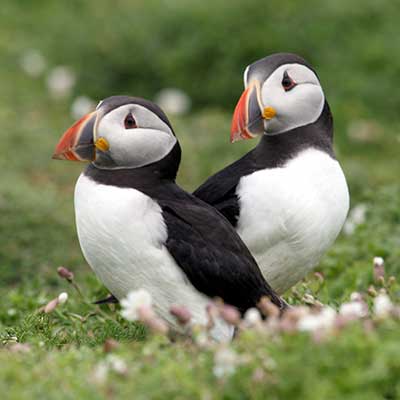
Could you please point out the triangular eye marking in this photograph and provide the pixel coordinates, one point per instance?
(287, 82)
(130, 122)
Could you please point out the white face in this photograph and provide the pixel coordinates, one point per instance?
(136, 137)
(301, 105)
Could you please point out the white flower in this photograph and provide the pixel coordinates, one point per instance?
(321, 320)
(99, 373)
(60, 81)
(356, 296)
(117, 364)
(252, 316)
(133, 301)
(173, 101)
(62, 298)
(33, 63)
(11, 312)
(382, 305)
(356, 217)
(81, 106)
(112, 362)
(379, 261)
(225, 361)
(355, 309)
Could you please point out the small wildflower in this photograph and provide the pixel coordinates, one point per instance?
(65, 273)
(81, 106)
(230, 314)
(62, 298)
(60, 81)
(117, 364)
(379, 269)
(354, 309)
(252, 317)
(110, 345)
(372, 291)
(356, 296)
(268, 308)
(356, 217)
(133, 301)
(322, 320)
(311, 300)
(382, 305)
(33, 63)
(147, 316)
(181, 313)
(50, 306)
(291, 317)
(100, 373)
(173, 101)
(225, 362)
(391, 280)
(212, 315)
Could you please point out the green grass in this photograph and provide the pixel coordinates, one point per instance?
(358, 65)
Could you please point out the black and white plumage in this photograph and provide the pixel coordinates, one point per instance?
(288, 197)
(138, 229)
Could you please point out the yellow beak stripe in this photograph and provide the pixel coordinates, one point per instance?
(102, 144)
(269, 113)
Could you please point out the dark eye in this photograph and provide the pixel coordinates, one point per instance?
(287, 82)
(130, 122)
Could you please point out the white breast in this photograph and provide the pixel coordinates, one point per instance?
(290, 216)
(122, 234)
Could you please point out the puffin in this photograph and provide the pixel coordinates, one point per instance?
(138, 229)
(288, 197)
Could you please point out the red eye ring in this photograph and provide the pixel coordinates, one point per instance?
(287, 82)
(130, 122)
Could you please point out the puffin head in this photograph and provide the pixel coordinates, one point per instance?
(282, 92)
(122, 133)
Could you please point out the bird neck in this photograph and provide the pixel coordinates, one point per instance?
(274, 151)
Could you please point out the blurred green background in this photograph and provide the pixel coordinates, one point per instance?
(58, 59)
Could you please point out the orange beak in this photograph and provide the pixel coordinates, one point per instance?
(77, 143)
(247, 121)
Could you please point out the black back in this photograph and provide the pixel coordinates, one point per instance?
(202, 242)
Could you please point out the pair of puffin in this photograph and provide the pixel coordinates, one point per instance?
(287, 199)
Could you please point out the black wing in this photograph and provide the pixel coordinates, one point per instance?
(212, 255)
(219, 190)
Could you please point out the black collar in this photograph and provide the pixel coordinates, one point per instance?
(143, 178)
(275, 151)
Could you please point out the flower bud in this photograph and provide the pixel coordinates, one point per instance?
(230, 314)
(181, 313)
(110, 345)
(51, 306)
(62, 298)
(379, 270)
(65, 273)
(268, 308)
